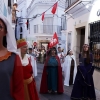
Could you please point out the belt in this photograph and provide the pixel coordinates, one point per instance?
(26, 91)
(28, 81)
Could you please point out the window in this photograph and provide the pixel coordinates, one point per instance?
(35, 28)
(1, 6)
(70, 2)
(69, 41)
(9, 6)
(9, 3)
(63, 22)
(48, 25)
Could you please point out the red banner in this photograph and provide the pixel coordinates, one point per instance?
(54, 40)
(43, 16)
(54, 8)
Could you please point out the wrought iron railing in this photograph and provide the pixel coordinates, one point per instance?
(47, 29)
(69, 3)
(34, 2)
(95, 43)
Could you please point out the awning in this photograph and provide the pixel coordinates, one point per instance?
(79, 8)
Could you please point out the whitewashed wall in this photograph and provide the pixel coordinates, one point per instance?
(4, 9)
(39, 9)
(81, 21)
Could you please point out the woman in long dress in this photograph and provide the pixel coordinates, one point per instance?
(51, 81)
(11, 72)
(83, 88)
(61, 57)
(33, 61)
(70, 69)
(29, 81)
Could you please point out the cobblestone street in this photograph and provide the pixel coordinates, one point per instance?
(64, 96)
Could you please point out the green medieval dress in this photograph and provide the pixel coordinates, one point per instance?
(52, 76)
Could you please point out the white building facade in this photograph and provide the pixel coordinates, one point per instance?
(21, 18)
(80, 14)
(42, 31)
(5, 8)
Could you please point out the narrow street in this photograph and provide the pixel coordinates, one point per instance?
(35, 29)
(64, 96)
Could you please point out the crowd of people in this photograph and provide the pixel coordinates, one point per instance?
(18, 69)
(80, 76)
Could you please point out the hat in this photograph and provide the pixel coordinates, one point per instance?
(10, 36)
(21, 43)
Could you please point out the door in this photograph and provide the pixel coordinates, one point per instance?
(82, 38)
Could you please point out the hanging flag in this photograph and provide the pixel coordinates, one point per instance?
(34, 43)
(54, 40)
(54, 8)
(43, 16)
(27, 24)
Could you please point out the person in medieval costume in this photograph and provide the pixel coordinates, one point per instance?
(29, 82)
(43, 53)
(48, 50)
(61, 57)
(33, 61)
(70, 69)
(83, 88)
(11, 72)
(51, 81)
(14, 9)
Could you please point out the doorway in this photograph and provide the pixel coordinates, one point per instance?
(80, 41)
(82, 38)
(44, 44)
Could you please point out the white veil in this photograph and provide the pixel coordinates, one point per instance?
(10, 36)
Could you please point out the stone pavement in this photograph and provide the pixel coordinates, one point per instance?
(64, 96)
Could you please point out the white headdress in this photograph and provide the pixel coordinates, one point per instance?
(10, 36)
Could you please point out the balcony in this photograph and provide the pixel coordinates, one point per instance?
(36, 2)
(76, 8)
(69, 3)
(47, 29)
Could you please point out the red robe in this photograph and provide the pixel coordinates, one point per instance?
(11, 74)
(17, 88)
(31, 86)
(44, 87)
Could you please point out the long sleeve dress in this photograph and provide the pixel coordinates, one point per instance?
(70, 70)
(52, 76)
(34, 64)
(61, 57)
(52, 72)
(30, 91)
(84, 87)
(11, 77)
